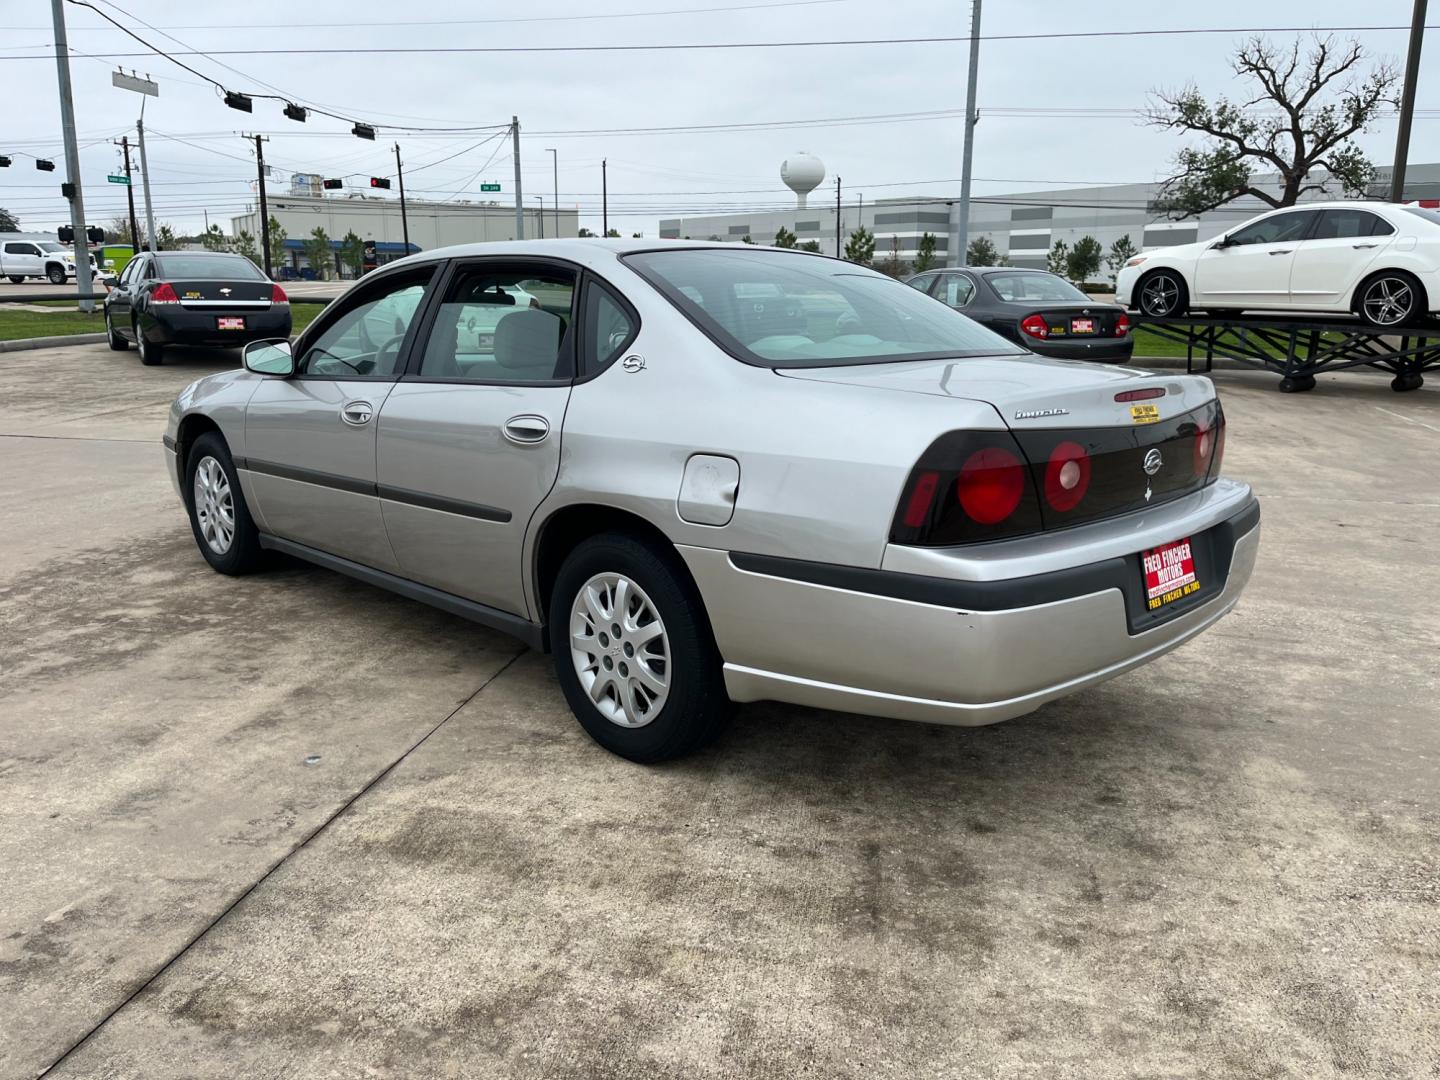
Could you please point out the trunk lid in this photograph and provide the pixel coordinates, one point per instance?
(1076, 321)
(216, 293)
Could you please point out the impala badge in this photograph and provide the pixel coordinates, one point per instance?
(1153, 461)
(633, 363)
(1032, 414)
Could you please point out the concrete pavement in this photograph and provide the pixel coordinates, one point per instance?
(1224, 864)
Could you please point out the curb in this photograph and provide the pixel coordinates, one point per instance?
(22, 344)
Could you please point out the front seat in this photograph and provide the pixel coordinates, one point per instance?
(527, 344)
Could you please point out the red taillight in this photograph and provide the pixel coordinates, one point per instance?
(1219, 452)
(277, 295)
(922, 498)
(1122, 325)
(1204, 446)
(1067, 476)
(164, 294)
(990, 485)
(1035, 326)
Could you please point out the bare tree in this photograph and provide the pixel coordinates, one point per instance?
(1303, 117)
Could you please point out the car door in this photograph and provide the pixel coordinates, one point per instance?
(1345, 243)
(310, 438)
(1251, 266)
(120, 301)
(469, 439)
(23, 259)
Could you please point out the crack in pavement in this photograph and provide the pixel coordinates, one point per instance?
(304, 842)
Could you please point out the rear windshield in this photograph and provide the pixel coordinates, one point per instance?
(1432, 216)
(208, 266)
(1033, 286)
(780, 309)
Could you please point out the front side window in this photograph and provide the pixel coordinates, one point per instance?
(502, 326)
(1034, 285)
(784, 309)
(365, 341)
(1280, 229)
(215, 267)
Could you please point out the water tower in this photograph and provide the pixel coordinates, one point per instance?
(802, 174)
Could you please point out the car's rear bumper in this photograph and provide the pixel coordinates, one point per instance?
(173, 324)
(966, 650)
(1100, 350)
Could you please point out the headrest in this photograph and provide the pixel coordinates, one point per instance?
(528, 338)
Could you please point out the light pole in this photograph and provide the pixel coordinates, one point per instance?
(541, 200)
(555, 205)
(960, 229)
(1407, 103)
(145, 88)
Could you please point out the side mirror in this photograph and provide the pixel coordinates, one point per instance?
(109, 281)
(269, 358)
(1224, 242)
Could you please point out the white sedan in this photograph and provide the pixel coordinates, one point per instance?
(1380, 261)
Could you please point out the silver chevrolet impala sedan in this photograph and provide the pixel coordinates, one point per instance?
(704, 474)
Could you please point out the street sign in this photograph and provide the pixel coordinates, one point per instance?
(489, 187)
(119, 180)
(133, 82)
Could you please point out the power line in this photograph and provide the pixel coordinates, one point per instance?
(396, 50)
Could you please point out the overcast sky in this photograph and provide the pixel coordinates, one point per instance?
(650, 175)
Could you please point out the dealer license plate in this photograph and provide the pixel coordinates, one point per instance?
(1169, 573)
(1082, 326)
(232, 322)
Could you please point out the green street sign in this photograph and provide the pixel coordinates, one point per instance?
(489, 187)
(119, 180)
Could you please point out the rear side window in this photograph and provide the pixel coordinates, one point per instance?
(1338, 224)
(792, 309)
(957, 290)
(502, 326)
(609, 328)
(1035, 285)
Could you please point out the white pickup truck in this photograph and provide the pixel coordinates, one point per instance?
(25, 257)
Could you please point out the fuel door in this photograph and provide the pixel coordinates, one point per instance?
(708, 490)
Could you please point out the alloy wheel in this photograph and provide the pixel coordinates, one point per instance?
(620, 650)
(214, 505)
(1160, 296)
(1388, 300)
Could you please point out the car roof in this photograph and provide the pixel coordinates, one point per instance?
(581, 249)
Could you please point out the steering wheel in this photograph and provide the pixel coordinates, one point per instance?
(325, 357)
(386, 355)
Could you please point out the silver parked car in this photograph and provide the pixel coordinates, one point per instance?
(704, 474)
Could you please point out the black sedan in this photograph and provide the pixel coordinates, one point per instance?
(192, 298)
(1041, 311)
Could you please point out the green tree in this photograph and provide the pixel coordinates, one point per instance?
(8, 221)
(278, 236)
(352, 251)
(214, 239)
(165, 239)
(784, 238)
(982, 252)
(925, 254)
(1302, 117)
(712, 236)
(317, 252)
(245, 245)
(613, 233)
(860, 248)
(1121, 252)
(809, 245)
(746, 239)
(1058, 261)
(1083, 262)
(584, 232)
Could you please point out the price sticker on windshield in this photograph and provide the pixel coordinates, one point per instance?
(1145, 414)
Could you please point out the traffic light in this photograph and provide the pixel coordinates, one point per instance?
(4, 162)
(44, 166)
(363, 131)
(66, 234)
(296, 112)
(380, 181)
(333, 185)
(243, 102)
(95, 234)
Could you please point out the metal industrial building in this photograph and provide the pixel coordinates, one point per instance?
(431, 224)
(1022, 226)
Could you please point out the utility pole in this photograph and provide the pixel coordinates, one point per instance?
(837, 217)
(604, 199)
(264, 206)
(960, 229)
(130, 197)
(541, 199)
(555, 165)
(145, 179)
(404, 220)
(72, 188)
(1407, 103)
(519, 201)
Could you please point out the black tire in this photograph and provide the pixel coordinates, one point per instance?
(696, 707)
(152, 353)
(1410, 380)
(16, 279)
(56, 275)
(1297, 384)
(1168, 297)
(244, 554)
(114, 340)
(1390, 299)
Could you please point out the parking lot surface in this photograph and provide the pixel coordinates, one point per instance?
(293, 826)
